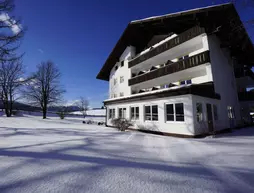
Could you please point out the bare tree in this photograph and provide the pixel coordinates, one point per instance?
(45, 90)
(83, 105)
(11, 79)
(11, 32)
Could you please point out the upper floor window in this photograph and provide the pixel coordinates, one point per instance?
(135, 113)
(185, 82)
(231, 112)
(151, 113)
(183, 57)
(115, 81)
(122, 63)
(115, 95)
(121, 79)
(116, 67)
(121, 94)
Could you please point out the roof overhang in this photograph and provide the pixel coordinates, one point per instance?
(222, 20)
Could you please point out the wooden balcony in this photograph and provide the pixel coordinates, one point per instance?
(181, 38)
(190, 62)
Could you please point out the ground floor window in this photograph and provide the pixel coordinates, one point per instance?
(199, 111)
(170, 113)
(122, 112)
(134, 113)
(151, 113)
(111, 113)
(175, 112)
(215, 112)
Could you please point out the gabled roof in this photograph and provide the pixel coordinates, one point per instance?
(216, 19)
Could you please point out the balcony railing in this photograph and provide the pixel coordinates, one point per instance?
(190, 62)
(246, 96)
(181, 38)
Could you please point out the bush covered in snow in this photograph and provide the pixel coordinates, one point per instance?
(121, 124)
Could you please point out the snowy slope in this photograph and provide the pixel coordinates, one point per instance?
(66, 156)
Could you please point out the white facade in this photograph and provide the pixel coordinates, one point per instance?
(118, 83)
(183, 84)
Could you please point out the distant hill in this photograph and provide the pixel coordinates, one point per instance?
(72, 108)
(22, 106)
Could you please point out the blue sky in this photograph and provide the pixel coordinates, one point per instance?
(78, 35)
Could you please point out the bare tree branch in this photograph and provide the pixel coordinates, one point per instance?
(11, 79)
(83, 105)
(44, 89)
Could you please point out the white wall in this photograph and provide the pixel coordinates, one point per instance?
(185, 127)
(224, 80)
(121, 71)
(202, 127)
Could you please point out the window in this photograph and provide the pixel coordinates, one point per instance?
(182, 82)
(170, 115)
(175, 112)
(147, 113)
(115, 95)
(115, 81)
(231, 112)
(122, 63)
(121, 94)
(179, 112)
(111, 113)
(151, 113)
(116, 67)
(134, 113)
(122, 113)
(121, 79)
(215, 112)
(185, 82)
(183, 57)
(199, 111)
(188, 82)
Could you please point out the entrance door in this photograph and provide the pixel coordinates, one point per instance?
(209, 117)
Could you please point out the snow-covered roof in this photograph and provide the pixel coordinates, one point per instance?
(176, 13)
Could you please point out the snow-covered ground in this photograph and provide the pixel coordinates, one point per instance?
(67, 156)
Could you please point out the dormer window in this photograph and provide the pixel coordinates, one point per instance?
(116, 67)
(122, 63)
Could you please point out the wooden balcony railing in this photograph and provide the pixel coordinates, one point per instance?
(190, 62)
(181, 38)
